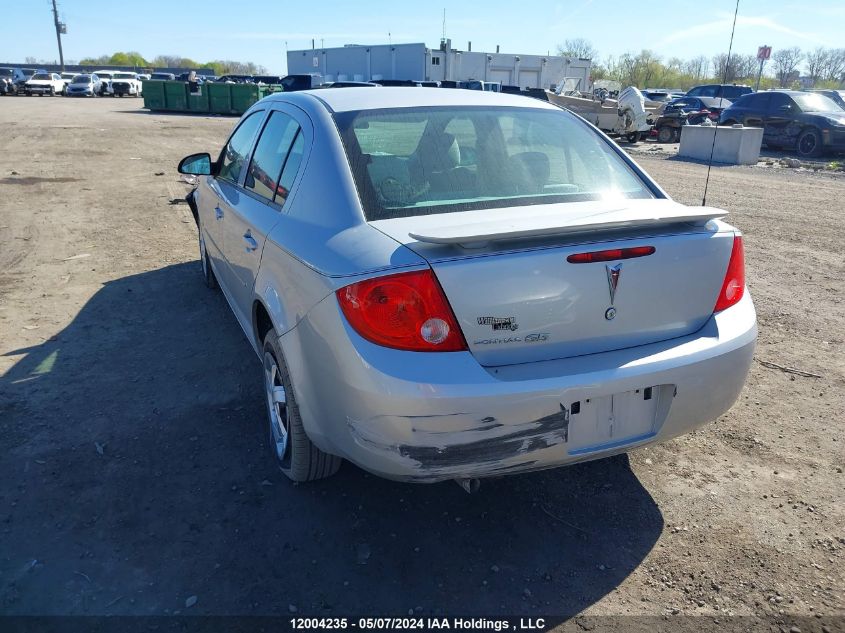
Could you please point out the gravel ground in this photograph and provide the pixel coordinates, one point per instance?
(136, 477)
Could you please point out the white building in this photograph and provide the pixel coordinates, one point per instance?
(355, 62)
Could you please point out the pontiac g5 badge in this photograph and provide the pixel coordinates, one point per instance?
(613, 274)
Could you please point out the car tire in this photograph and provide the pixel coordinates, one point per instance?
(52, 91)
(665, 134)
(207, 273)
(633, 137)
(809, 143)
(297, 456)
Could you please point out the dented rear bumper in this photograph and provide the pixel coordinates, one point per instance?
(434, 416)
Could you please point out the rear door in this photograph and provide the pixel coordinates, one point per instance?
(779, 126)
(264, 191)
(223, 194)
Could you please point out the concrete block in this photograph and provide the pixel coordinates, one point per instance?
(734, 145)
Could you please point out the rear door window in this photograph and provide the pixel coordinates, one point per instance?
(237, 149)
(270, 154)
(777, 101)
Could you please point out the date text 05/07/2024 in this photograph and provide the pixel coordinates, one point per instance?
(418, 624)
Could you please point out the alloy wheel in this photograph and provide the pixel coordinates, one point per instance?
(276, 397)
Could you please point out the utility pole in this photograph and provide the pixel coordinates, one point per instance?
(60, 28)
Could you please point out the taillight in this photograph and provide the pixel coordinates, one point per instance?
(405, 311)
(734, 285)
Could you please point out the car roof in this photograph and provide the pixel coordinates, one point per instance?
(365, 98)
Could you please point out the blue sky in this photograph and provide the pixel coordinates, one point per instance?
(259, 30)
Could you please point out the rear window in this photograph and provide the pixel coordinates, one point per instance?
(81, 79)
(735, 92)
(41, 76)
(440, 160)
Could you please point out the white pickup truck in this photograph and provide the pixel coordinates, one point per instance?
(44, 84)
(125, 84)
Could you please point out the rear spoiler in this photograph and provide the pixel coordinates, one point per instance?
(477, 234)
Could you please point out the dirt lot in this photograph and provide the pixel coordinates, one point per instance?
(135, 476)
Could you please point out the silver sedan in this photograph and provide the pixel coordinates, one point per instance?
(451, 284)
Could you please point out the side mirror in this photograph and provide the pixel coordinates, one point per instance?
(196, 164)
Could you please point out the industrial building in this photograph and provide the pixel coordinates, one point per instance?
(357, 62)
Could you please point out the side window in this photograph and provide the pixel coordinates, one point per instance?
(236, 150)
(270, 154)
(695, 92)
(759, 102)
(778, 100)
(290, 169)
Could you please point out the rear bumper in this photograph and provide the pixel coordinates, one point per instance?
(834, 140)
(430, 417)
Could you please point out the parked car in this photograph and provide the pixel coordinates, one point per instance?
(837, 96)
(732, 92)
(162, 77)
(50, 84)
(84, 85)
(292, 83)
(126, 84)
(661, 96)
(350, 84)
(66, 79)
(809, 123)
(686, 111)
(106, 77)
(713, 106)
(10, 78)
(435, 294)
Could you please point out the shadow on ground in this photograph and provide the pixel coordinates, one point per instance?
(136, 474)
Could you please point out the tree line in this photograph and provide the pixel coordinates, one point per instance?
(824, 67)
(136, 60)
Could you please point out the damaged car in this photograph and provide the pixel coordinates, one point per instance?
(49, 84)
(809, 123)
(464, 284)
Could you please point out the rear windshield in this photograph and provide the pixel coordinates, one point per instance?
(81, 79)
(6, 72)
(124, 76)
(41, 76)
(421, 161)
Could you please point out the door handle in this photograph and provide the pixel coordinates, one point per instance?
(218, 212)
(251, 244)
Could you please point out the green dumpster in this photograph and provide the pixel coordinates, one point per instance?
(219, 98)
(244, 95)
(198, 101)
(176, 95)
(153, 92)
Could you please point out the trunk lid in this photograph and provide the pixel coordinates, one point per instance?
(518, 299)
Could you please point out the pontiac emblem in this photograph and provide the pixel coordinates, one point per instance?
(613, 273)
